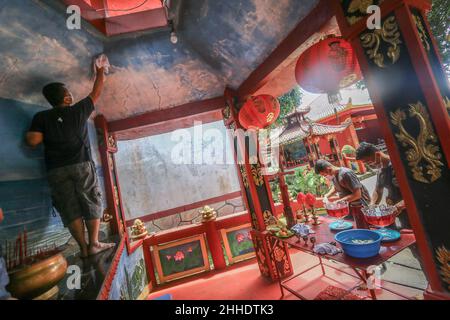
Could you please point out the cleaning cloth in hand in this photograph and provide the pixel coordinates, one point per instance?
(102, 62)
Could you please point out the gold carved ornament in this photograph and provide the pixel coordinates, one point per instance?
(359, 6)
(267, 215)
(422, 33)
(244, 176)
(443, 256)
(447, 103)
(422, 148)
(371, 42)
(257, 175)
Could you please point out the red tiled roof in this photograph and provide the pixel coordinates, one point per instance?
(300, 131)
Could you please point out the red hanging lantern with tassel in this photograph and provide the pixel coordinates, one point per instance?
(327, 67)
(258, 112)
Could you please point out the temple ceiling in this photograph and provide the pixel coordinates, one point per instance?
(219, 44)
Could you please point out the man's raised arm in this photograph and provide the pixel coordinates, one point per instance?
(98, 85)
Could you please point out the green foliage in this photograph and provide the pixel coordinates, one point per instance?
(439, 21)
(348, 150)
(303, 180)
(288, 103)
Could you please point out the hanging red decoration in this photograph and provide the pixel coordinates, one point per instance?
(328, 66)
(259, 112)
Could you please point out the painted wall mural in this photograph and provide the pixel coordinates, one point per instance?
(148, 71)
(130, 281)
(24, 192)
(154, 178)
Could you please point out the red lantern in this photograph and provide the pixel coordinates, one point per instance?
(328, 66)
(259, 112)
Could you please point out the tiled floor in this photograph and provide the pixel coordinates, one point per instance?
(243, 281)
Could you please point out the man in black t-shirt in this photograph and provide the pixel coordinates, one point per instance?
(348, 187)
(369, 153)
(70, 170)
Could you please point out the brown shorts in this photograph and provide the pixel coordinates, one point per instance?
(75, 192)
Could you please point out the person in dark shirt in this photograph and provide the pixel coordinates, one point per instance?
(370, 154)
(70, 170)
(348, 187)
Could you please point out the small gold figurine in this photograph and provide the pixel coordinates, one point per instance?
(208, 214)
(138, 230)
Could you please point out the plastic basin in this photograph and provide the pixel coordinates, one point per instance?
(349, 242)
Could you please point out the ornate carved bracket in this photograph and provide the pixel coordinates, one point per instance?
(421, 149)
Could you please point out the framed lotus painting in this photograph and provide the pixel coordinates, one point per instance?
(238, 243)
(181, 258)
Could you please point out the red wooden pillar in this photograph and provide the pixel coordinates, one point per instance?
(215, 245)
(107, 148)
(149, 266)
(411, 97)
(257, 194)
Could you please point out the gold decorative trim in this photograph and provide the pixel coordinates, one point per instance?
(267, 215)
(359, 7)
(422, 148)
(422, 33)
(371, 41)
(226, 112)
(447, 103)
(443, 256)
(257, 175)
(244, 176)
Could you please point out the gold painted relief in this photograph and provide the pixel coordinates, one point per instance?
(358, 9)
(443, 256)
(422, 33)
(267, 215)
(447, 103)
(371, 42)
(257, 175)
(421, 149)
(359, 5)
(244, 176)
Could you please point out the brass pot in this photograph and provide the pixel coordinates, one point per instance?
(37, 279)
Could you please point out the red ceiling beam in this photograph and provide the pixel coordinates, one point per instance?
(313, 22)
(198, 110)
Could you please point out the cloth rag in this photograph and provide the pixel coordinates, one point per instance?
(102, 61)
(326, 248)
(302, 229)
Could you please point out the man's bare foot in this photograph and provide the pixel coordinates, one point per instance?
(99, 247)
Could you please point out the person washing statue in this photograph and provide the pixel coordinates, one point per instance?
(348, 187)
(370, 154)
(71, 172)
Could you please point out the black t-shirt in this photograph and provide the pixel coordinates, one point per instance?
(66, 139)
(386, 179)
